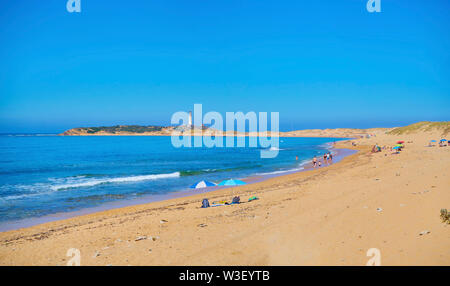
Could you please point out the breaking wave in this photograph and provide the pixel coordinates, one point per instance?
(94, 182)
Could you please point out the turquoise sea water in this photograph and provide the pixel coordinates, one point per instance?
(42, 175)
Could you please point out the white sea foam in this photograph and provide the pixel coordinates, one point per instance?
(57, 184)
(275, 149)
(94, 182)
(22, 190)
(280, 172)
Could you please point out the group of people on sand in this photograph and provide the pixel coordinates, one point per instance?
(397, 148)
(327, 158)
(376, 148)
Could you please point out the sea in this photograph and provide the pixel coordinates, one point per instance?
(42, 174)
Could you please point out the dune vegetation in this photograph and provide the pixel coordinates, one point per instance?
(423, 126)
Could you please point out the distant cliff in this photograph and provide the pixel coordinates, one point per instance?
(119, 130)
(136, 130)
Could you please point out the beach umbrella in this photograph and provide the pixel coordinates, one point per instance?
(400, 142)
(443, 140)
(202, 184)
(232, 182)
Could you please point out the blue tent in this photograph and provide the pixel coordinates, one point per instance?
(202, 184)
(443, 140)
(232, 182)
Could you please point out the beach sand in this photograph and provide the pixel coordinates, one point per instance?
(326, 216)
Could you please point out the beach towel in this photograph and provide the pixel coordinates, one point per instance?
(217, 205)
(254, 198)
(205, 203)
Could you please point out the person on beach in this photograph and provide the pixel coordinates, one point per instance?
(296, 158)
(376, 148)
(325, 160)
(314, 161)
(330, 157)
(320, 163)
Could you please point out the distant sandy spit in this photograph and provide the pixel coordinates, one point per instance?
(328, 216)
(335, 133)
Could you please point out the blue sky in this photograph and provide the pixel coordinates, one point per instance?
(319, 63)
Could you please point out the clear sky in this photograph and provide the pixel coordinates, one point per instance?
(319, 63)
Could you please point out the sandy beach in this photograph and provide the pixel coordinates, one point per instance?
(326, 216)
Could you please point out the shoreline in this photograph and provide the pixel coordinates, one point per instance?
(339, 154)
(326, 216)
